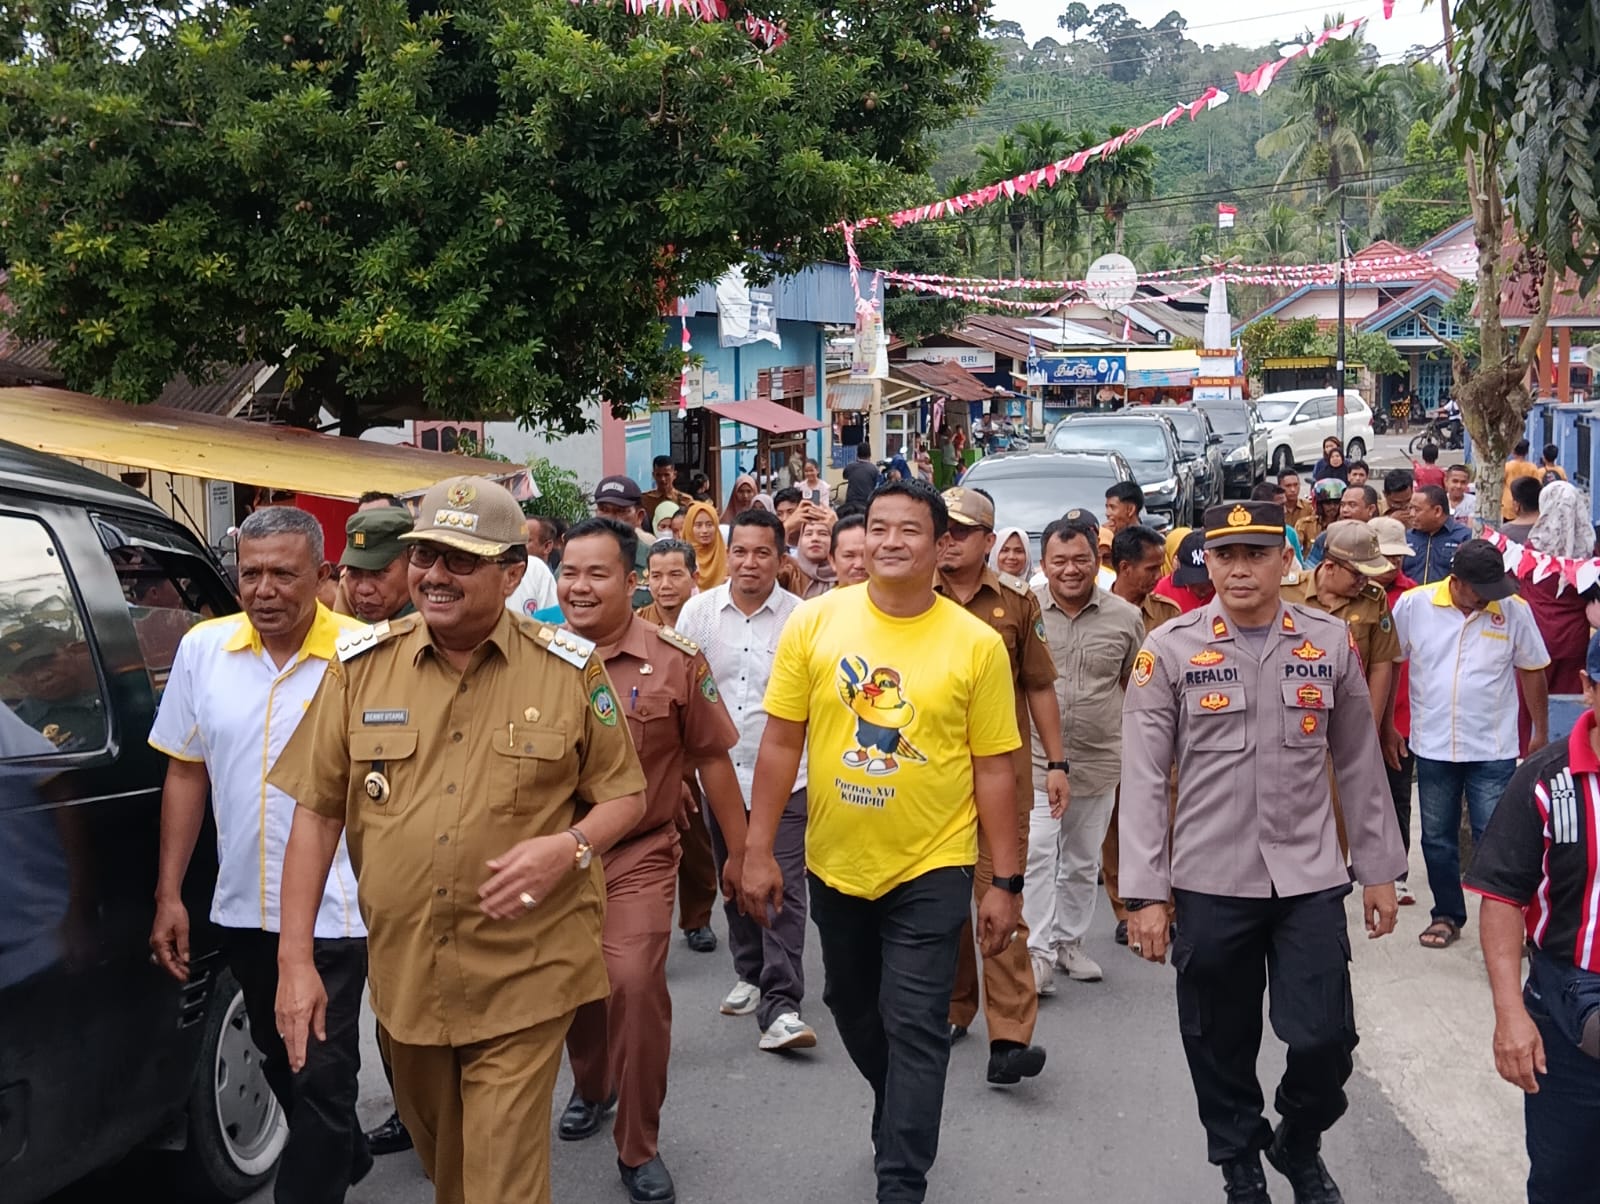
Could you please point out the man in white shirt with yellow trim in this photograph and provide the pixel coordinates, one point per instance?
(1470, 641)
(238, 688)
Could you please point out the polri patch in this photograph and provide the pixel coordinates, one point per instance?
(379, 718)
(1144, 665)
(1308, 724)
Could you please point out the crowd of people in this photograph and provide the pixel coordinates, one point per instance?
(489, 764)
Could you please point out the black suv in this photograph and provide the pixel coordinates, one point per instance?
(1150, 446)
(101, 1053)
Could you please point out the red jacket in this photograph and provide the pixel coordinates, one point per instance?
(1402, 694)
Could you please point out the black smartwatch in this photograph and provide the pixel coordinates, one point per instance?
(1012, 884)
(1063, 766)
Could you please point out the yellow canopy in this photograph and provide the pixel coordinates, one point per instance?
(228, 449)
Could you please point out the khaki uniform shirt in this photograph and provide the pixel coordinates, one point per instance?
(651, 498)
(1008, 605)
(1093, 653)
(1251, 736)
(667, 695)
(1371, 627)
(435, 772)
(1294, 515)
(1308, 529)
(1157, 610)
(652, 614)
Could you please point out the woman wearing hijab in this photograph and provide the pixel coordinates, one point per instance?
(1562, 529)
(701, 532)
(763, 501)
(1012, 553)
(1332, 463)
(740, 498)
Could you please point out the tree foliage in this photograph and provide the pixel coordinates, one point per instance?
(1529, 75)
(480, 209)
(1429, 200)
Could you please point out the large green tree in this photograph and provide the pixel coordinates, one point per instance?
(475, 209)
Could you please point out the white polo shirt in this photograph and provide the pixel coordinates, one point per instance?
(228, 706)
(1463, 684)
(740, 649)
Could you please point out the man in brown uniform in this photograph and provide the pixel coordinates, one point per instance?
(619, 1047)
(672, 583)
(1250, 695)
(1011, 1000)
(665, 475)
(477, 762)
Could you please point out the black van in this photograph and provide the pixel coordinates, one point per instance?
(101, 1053)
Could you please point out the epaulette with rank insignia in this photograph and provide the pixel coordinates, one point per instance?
(681, 642)
(353, 643)
(570, 647)
(1015, 584)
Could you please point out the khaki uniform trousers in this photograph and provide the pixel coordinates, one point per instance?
(498, 1091)
(622, 1044)
(1010, 1000)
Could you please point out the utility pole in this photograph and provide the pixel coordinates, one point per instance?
(1338, 355)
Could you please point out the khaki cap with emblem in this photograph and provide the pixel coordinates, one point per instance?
(969, 508)
(470, 514)
(1356, 544)
(1391, 533)
(372, 538)
(30, 643)
(1256, 523)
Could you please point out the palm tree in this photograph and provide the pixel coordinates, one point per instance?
(998, 162)
(1127, 176)
(1044, 142)
(1279, 235)
(1320, 137)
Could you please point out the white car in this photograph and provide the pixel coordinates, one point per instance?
(1298, 420)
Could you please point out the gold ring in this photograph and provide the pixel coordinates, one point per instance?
(528, 901)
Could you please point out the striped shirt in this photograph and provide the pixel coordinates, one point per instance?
(1542, 848)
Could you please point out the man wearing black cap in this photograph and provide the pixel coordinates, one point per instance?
(1250, 696)
(60, 697)
(618, 497)
(1470, 642)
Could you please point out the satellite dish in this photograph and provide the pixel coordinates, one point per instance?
(1111, 281)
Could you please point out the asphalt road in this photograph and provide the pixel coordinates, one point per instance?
(1111, 1119)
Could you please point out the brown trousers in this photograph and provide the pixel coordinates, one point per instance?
(499, 1091)
(1010, 1001)
(697, 873)
(621, 1044)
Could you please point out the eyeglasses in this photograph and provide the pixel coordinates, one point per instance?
(457, 564)
(961, 531)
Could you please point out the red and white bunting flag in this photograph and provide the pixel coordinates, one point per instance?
(1225, 216)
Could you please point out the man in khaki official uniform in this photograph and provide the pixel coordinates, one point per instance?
(665, 475)
(477, 762)
(1344, 585)
(1251, 695)
(1010, 997)
(619, 1047)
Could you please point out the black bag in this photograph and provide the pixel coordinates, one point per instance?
(1571, 996)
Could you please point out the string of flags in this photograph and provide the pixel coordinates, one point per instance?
(771, 34)
(1530, 565)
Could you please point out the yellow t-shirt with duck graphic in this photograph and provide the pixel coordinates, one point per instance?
(895, 711)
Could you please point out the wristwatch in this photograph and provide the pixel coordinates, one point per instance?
(585, 853)
(1012, 884)
(1140, 904)
(1063, 766)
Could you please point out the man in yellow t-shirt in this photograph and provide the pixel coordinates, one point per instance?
(902, 703)
(1517, 466)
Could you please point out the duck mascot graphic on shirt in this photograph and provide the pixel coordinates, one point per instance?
(882, 714)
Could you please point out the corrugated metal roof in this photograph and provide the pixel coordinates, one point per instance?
(820, 293)
(231, 392)
(949, 380)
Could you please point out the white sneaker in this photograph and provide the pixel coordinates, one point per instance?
(788, 1031)
(1078, 964)
(742, 1000)
(1044, 973)
(1403, 895)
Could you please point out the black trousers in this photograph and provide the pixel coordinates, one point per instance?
(326, 1148)
(1227, 952)
(889, 965)
(1400, 794)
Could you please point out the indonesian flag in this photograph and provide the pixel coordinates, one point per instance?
(1225, 216)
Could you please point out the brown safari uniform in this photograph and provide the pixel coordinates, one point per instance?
(1011, 1001)
(1302, 510)
(666, 693)
(434, 773)
(697, 874)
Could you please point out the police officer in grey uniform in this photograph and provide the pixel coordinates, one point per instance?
(1250, 696)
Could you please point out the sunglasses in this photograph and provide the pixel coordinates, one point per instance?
(457, 564)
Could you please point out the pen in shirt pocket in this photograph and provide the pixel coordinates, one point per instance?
(633, 701)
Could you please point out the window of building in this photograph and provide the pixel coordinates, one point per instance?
(48, 681)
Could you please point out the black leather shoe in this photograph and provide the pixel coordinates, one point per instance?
(1122, 932)
(389, 1138)
(1297, 1159)
(583, 1119)
(1011, 1063)
(1244, 1181)
(701, 940)
(648, 1184)
(957, 1032)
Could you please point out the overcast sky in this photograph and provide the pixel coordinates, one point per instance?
(1248, 22)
